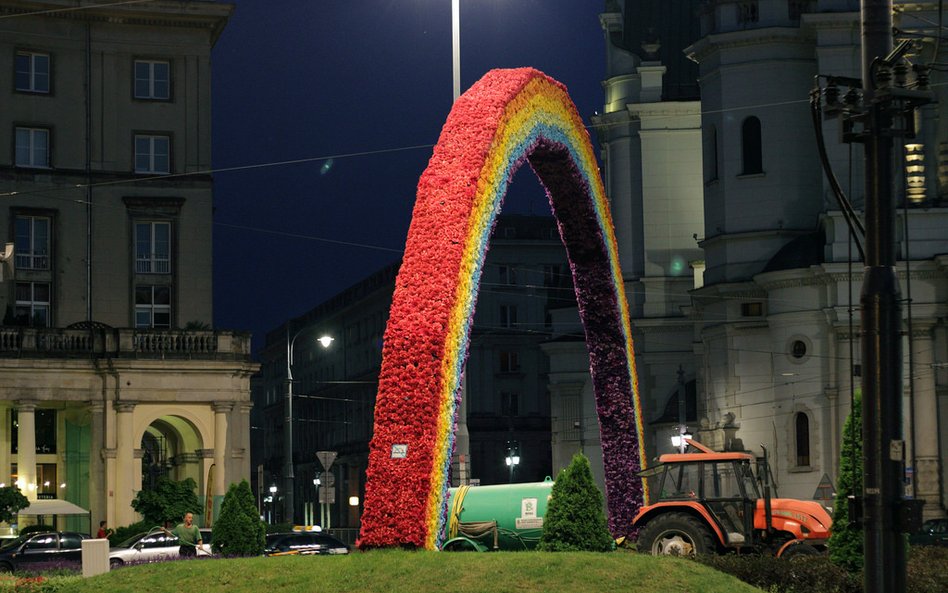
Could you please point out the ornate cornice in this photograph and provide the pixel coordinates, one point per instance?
(222, 407)
(124, 406)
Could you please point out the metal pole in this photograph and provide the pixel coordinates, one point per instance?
(288, 477)
(883, 450)
(682, 445)
(456, 47)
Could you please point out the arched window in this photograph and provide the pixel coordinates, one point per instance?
(711, 154)
(802, 423)
(752, 158)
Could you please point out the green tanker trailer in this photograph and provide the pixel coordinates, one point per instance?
(501, 517)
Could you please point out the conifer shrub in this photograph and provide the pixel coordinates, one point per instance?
(239, 531)
(574, 518)
(845, 543)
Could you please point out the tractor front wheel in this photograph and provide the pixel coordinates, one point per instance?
(676, 534)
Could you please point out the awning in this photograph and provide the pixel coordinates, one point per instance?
(53, 507)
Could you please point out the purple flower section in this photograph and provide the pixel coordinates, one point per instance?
(599, 310)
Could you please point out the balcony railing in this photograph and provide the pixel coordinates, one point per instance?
(24, 342)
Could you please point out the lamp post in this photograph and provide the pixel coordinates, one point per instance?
(288, 503)
(513, 459)
(456, 47)
(273, 491)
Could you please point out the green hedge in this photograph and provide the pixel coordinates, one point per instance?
(925, 572)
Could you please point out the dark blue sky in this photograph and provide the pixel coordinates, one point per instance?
(360, 82)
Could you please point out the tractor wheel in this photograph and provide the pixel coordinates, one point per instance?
(676, 534)
(799, 551)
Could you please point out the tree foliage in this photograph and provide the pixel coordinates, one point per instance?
(168, 502)
(11, 501)
(574, 519)
(238, 530)
(845, 543)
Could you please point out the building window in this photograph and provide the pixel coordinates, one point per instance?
(152, 80)
(153, 247)
(509, 404)
(32, 304)
(31, 245)
(509, 362)
(711, 151)
(752, 158)
(32, 72)
(32, 148)
(152, 154)
(508, 315)
(44, 422)
(802, 425)
(798, 349)
(747, 12)
(755, 309)
(153, 307)
(508, 274)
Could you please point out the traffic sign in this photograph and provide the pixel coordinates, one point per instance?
(327, 495)
(327, 458)
(327, 479)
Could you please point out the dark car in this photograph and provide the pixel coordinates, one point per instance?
(39, 550)
(305, 543)
(934, 532)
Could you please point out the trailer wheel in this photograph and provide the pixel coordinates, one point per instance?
(676, 534)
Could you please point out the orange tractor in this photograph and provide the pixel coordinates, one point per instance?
(708, 502)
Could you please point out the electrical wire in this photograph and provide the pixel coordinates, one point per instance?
(74, 8)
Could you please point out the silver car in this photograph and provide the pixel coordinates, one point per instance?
(152, 546)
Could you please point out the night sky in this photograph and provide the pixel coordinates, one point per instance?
(356, 91)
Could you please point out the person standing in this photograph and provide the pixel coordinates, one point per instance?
(189, 536)
(104, 531)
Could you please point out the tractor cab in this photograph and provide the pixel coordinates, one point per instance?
(721, 485)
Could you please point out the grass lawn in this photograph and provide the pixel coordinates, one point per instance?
(419, 572)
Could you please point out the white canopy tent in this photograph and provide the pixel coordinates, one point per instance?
(55, 507)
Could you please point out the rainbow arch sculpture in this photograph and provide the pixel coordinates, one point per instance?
(507, 118)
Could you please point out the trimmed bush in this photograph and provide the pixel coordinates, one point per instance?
(845, 543)
(926, 570)
(239, 531)
(574, 519)
(804, 574)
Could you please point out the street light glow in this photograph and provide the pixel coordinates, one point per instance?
(326, 341)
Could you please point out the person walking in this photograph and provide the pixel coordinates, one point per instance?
(189, 536)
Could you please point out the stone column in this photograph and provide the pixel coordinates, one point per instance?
(221, 410)
(124, 461)
(926, 423)
(97, 477)
(26, 448)
(242, 432)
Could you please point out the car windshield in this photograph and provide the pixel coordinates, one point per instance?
(14, 542)
(131, 541)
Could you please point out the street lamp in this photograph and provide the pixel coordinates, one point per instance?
(513, 458)
(272, 500)
(288, 502)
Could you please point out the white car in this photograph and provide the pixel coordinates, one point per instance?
(152, 546)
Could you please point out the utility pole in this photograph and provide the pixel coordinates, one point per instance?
(883, 448)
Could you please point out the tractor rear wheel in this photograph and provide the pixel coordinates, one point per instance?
(676, 534)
